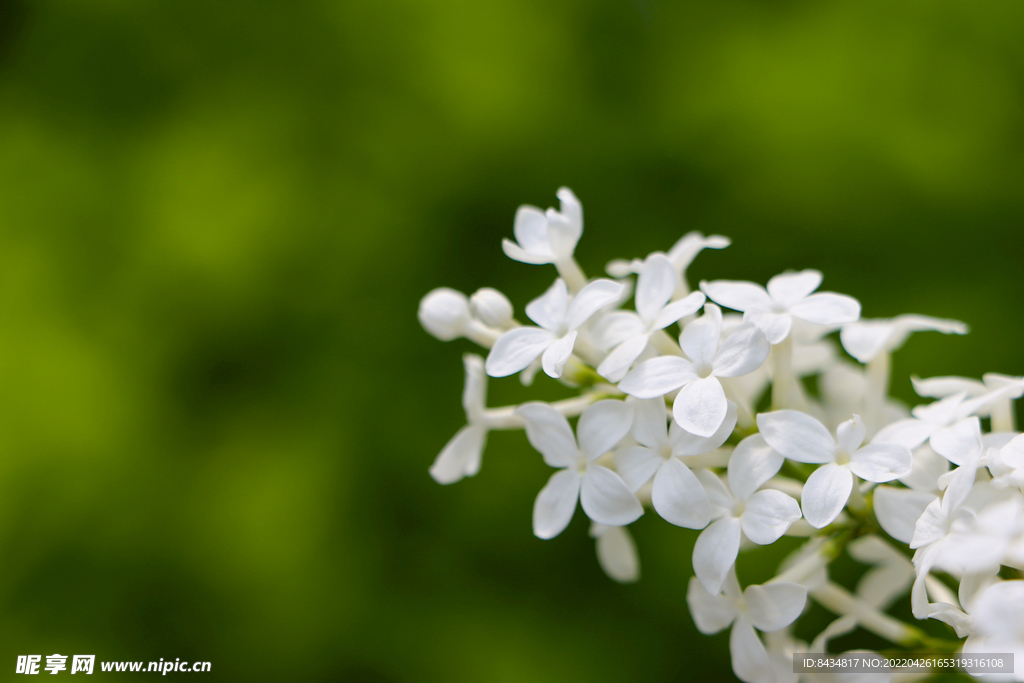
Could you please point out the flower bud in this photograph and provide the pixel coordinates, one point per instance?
(444, 313)
(492, 307)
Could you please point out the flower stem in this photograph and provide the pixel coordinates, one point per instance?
(782, 374)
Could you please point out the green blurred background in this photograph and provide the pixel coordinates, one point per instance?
(217, 408)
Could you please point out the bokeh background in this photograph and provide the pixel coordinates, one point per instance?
(217, 408)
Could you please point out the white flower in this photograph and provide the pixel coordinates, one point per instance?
(741, 510)
(800, 437)
(444, 313)
(616, 552)
(1007, 463)
(681, 256)
(934, 418)
(898, 510)
(629, 332)
(676, 494)
(461, 456)
(788, 296)
(605, 497)
(546, 237)
(701, 406)
(768, 608)
(998, 616)
(559, 320)
(866, 339)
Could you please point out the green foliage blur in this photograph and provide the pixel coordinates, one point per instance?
(217, 408)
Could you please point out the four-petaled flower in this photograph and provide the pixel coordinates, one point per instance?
(605, 497)
(787, 296)
(700, 406)
(559, 320)
(800, 437)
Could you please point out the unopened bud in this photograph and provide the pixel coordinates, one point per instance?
(444, 313)
(492, 308)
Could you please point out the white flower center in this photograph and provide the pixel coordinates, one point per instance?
(842, 457)
(703, 370)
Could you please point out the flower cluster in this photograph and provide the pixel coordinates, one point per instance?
(716, 430)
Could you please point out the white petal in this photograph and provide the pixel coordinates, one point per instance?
(552, 511)
(768, 514)
(776, 326)
(880, 462)
(637, 465)
(718, 495)
(742, 352)
(715, 552)
(531, 230)
(941, 387)
(865, 339)
(711, 613)
(927, 466)
(749, 658)
(740, 296)
(797, 436)
(699, 339)
(606, 498)
(602, 426)
(774, 606)
(592, 298)
(616, 552)
(656, 377)
(960, 442)
(549, 309)
(549, 433)
(650, 421)
(562, 235)
(826, 308)
(850, 434)
(611, 329)
(692, 243)
(930, 526)
(679, 309)
(685, 444)
(654, 286)
(898, 510)
(556, 355)
(570, 207)
(700, 407)
(516, 349)
(910, 433)
(517, 253)
(617, 363)
(789, 288)
(678, 496)
(825, 494)
(752, 463)
(1012, 454)
(460, 457)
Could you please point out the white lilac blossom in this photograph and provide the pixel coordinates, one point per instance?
(766, 608)
(684, 429)
(676, 493)
(559, 319)
(629, 332)
(741, 510)
(700, 406)
(800, 437)
(604, 496)
(787, 296)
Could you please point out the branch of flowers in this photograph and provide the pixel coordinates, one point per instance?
(838, 600)
(505, 417)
